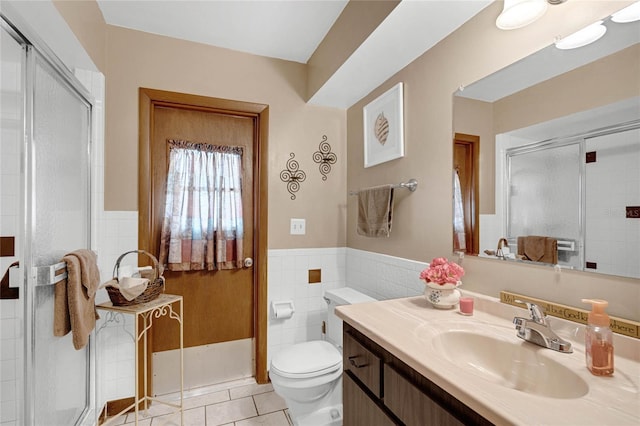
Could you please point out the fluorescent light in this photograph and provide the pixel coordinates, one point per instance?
(519, 13)
(583, 37)
(628, 14)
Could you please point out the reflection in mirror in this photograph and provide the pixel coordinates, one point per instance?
(559, 142)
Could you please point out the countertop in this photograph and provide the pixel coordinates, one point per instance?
(406, 327)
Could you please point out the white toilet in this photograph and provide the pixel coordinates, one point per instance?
(308, 376)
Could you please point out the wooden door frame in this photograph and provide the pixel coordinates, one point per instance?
(473, 144)
(260, 113)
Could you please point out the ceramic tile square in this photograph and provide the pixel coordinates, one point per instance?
(230, 411)
(269, 402)
(272, 419)
(192, 417)
(8, 411)
(144, 422)
(249, 390)
(155, 410)
(8, 369)
(207, 399)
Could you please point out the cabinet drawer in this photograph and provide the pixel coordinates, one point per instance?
(411, 405)
(364, 365)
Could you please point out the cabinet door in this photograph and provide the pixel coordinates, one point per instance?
(364, 364)
(359, 409)
(411, 405)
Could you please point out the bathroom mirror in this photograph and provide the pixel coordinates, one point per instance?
(572, 108)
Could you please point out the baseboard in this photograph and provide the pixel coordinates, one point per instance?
(111, 408)
(203, 366)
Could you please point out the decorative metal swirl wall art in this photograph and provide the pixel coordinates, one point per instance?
(293, 176)
(324, 157)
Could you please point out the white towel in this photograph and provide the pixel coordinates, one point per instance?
(129, 287)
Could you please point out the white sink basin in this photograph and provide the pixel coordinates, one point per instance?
(515, 364)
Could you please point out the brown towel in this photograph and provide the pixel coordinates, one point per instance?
(538, 249)
(375, 211)
(74, 305)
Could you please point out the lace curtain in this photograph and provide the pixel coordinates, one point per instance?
(459, 237)
(202, 226)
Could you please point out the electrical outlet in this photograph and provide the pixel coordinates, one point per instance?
(298, 227)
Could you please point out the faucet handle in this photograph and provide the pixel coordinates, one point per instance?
(537, 313)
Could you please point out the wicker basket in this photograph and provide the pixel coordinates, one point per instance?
(155, 287)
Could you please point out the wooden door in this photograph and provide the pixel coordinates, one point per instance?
(466, 151)
(218, 304)
(221, 305)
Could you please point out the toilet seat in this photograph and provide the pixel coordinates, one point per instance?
(308, 359)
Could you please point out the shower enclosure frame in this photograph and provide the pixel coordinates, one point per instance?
(581, 140)
(36, 50)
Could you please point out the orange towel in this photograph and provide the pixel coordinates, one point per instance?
(538, 248)
(74, 304)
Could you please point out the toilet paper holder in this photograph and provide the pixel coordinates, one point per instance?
(282, 309)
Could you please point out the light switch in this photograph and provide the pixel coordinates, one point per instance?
(298, 227)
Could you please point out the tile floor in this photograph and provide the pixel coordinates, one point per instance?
(238, 403)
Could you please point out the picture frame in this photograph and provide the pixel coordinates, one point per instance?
(383, 120)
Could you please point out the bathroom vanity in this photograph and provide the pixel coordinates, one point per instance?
(406, 362)
(380, 389)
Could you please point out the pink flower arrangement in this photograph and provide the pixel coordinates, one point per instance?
(441, 271)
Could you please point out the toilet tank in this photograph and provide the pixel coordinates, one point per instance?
(337, 297)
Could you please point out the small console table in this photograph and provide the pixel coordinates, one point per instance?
(144, 314)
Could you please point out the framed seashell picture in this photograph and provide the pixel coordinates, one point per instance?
(384, 127)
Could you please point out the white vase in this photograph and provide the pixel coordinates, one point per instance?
(445, 296)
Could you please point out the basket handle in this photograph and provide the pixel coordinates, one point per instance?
(156, 265)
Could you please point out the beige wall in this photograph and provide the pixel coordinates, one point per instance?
(136, 59)
(611, 79)
(474, 117)
(422, 220)
(86, 21)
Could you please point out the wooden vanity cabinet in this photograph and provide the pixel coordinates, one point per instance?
(379, 389)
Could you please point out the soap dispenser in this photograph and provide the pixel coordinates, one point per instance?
(598, 339)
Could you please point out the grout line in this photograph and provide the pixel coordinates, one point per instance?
(255, 405)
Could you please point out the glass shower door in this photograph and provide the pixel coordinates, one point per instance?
(58, 222)
(544, 195)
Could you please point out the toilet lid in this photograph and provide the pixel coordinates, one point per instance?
(307, 359)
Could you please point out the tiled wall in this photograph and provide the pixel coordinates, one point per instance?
(377, 275)
(383, 277)
(288, 279)
(10, 310)
(9, 360)
(117, 233)
(613, 183)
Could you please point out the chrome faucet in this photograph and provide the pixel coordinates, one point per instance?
(537, 330)
(502, 242)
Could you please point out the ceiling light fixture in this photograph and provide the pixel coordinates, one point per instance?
(585, 36)
(519, 13)
(628, 14)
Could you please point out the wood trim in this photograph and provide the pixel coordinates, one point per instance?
(473, 142)
(115, 406)
(261, 198)
(260, 113)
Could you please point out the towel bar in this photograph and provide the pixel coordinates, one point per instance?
(411, 185)
(563, 245)
(49, 275)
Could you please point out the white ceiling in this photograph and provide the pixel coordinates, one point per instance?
(283, 29)
(293, 29)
